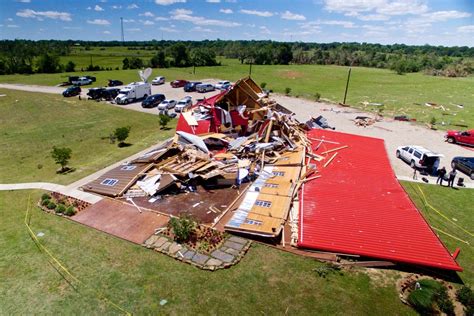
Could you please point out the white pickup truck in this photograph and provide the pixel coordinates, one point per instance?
(132, 92)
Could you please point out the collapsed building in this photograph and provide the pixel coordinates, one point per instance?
(242, 163)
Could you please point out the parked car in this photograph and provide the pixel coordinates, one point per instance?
(95, 93)
(111, 93)
(133, 92)
(92, 78)
(72, 91)
(178, 83)
(205, 87)
(191, 86)
(464, 164)
(82, 81)
(158, 80)
(167, 104)
(153, 100)
(222, 85)
(183, 104)
(418, 156)
(460, 137)
(114, 83)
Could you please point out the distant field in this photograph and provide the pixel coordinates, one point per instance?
(32, 123)
(400, 94)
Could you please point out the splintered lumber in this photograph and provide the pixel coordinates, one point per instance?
(269, 130)
(334, 149)
(330, 159)
(309, 179)
(324, 141)
(315, 156)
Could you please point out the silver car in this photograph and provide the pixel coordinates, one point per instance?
(167, 104)
(205, 87)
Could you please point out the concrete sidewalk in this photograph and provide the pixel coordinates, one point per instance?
(432, 180)
(84, 196)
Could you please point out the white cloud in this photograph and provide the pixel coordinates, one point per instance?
(265, 30)
(439, 16)
(373, 17)
(72, 27)
(132, 6)
(169, 2)
(287, 15)
(202, 29)
(89, 8)
(98, 8)
(387, 7)
(311, 27)
(466, 29)
(161, 18)
(168, 29)
(148, 22)
(12, 25)
(226, 11)
(10, 19)
(106, 32)
(213, 1)
(186, 15)
(24, 1)
(98, 22)
(265, 14)
(345, 24)
(128, 21)
(116, 7)
(148, 14)
(55, 15)
(133, 29)
(103, 1)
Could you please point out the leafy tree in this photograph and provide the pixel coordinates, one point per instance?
(135, 63)
(121, 134)
(159, 60)
(203, 57)
(126, 63)
(180, 54)
(61, 156)
(70, 66)
(163, 120)
(48, 64)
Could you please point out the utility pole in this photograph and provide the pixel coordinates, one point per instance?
(347, 85)
(123, 36)
(250, 67)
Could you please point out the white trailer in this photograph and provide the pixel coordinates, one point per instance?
(132, 92)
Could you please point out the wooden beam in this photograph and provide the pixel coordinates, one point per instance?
(330, 159)
(334, 149)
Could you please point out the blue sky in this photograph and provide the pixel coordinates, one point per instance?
(435, 22)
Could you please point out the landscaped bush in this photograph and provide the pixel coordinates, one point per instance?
(51, 205)
(45, 202)
(466, 297)
(263, 85)
(70, 211)
(287, 91)
(430, 297)
(60, 208)
(317, 96)
(45, 196)
(182, 228)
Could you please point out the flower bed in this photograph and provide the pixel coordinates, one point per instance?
(203, 239)
(60, 204)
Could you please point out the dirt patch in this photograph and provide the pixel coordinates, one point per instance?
(289, 74)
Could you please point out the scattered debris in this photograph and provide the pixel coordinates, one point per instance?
(40, 234)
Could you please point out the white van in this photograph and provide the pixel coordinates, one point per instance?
(417, 156)
(132, 92)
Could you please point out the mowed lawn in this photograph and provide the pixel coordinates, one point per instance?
(400, 94)
(32, 123)
(454, 218)
(265, 282)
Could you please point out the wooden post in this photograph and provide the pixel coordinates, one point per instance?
(194, 69)
(347, 85)
(250, 68)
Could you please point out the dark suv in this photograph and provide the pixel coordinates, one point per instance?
(191, 86)
(72, 91)
(153, 100)
(465, 165)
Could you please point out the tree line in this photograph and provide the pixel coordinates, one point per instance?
(25, 56)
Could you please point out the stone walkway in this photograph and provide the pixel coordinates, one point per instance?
(230, 253)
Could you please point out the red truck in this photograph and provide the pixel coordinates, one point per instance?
(461, 137)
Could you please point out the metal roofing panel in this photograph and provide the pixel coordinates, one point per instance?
(358, 207)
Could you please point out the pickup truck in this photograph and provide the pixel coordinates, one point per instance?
(460, 137)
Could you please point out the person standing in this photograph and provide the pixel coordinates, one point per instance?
(452, 175)
(441, 174)
(434, 171)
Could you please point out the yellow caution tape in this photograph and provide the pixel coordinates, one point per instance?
(64, 269)
(447, 234)
(440, 213)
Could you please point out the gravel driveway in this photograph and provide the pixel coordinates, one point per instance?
(395, 133)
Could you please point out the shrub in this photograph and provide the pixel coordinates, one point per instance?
(70, 211)
(45, 202)
(61, 156)
(45, 196)
(263, 85)
(60, 208)
(51, 205)
(317, 96)
(182, 228)
(431, 294)
(163, 120)
(433, 120)
(121, 134)
(287, 91)
(466, 297)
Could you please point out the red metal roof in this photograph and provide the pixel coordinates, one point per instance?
(358, 207)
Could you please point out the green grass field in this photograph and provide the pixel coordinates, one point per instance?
(266, 281)
(400, 94)
(32, 123)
